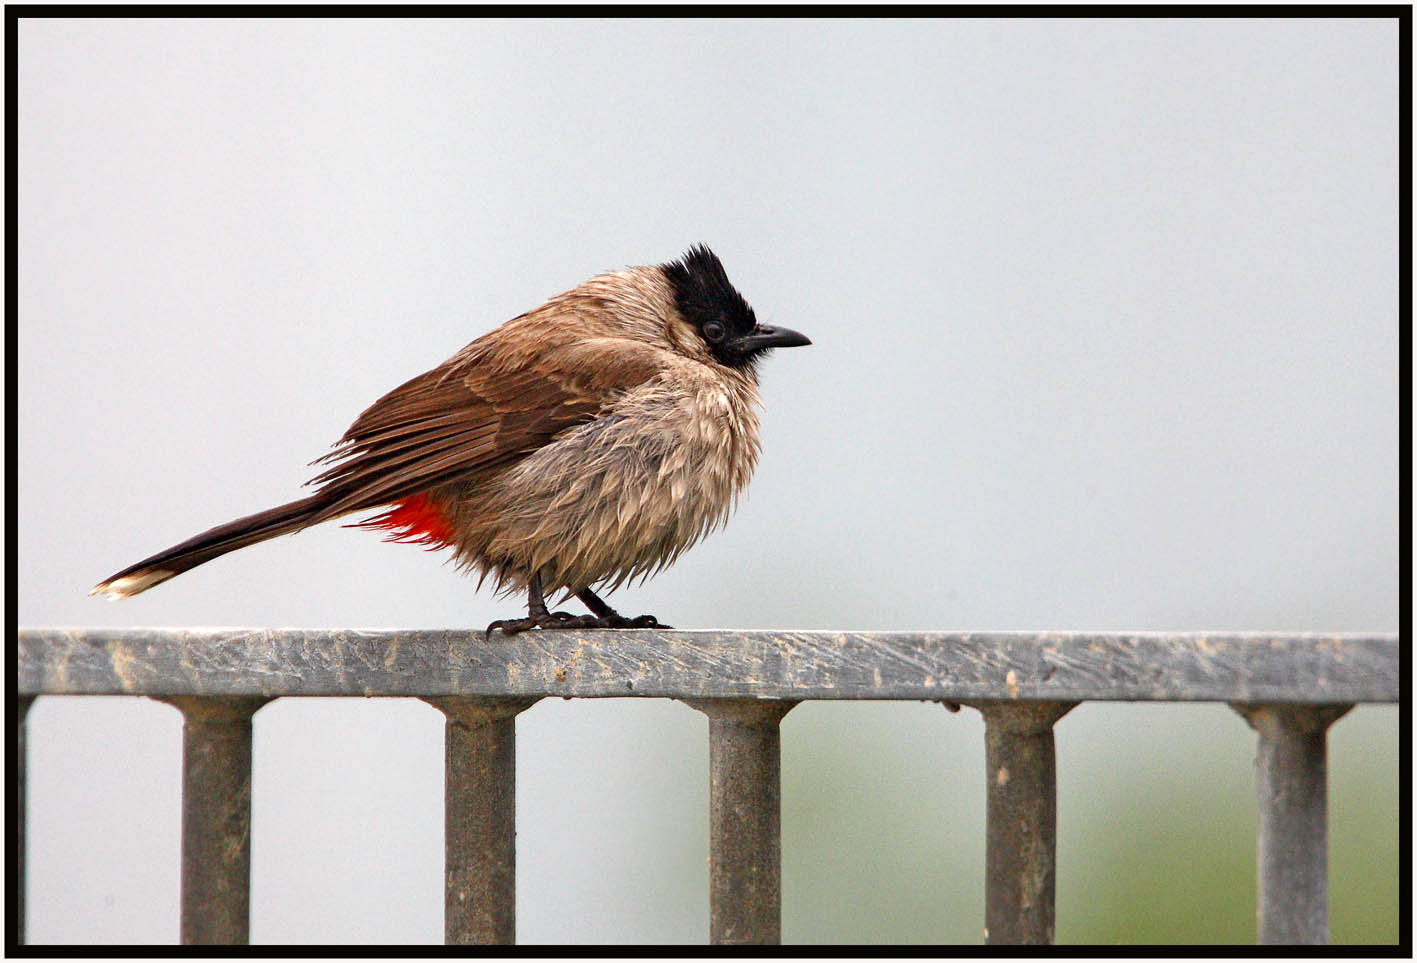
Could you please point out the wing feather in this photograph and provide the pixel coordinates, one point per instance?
(488, 406)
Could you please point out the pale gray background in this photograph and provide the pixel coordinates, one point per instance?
(1106, 338)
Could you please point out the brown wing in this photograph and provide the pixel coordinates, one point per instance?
(481, 409)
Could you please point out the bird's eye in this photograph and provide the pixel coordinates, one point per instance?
(713, 331)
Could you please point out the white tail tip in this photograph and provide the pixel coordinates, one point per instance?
(130, 585)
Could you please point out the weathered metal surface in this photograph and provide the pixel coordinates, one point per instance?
(1021, 841)
(479, 819)
(745, 816)
(17, 800)
(957, 666)
(1293, 834)
(216, 818)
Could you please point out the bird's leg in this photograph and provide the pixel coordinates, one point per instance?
(612, 619)
(537, 615)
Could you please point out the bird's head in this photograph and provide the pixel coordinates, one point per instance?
(720, 316)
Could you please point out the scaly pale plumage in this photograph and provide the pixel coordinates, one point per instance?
(590, 441)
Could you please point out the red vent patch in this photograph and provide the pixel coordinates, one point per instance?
(417, 521)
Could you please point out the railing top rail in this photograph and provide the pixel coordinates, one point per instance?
(1252, 667)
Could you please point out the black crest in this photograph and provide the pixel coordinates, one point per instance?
(709, 302)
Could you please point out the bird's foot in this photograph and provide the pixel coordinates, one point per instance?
(538, 617)
(608, 618)
(509, 627)
(617, 621)
(537, 620)
(565, 620)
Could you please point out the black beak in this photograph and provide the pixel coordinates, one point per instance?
(764, 336)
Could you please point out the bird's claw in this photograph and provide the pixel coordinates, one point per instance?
(509, 626)
(565, 620)
(617, 621)
(545, 620)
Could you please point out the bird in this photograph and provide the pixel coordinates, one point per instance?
(577, 447)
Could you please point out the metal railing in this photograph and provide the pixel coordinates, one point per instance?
(1289, 687)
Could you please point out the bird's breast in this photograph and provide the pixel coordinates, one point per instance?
(625, 493)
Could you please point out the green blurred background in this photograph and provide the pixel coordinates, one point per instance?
(1156, 825)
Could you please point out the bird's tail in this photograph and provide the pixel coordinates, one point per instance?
(210, 544)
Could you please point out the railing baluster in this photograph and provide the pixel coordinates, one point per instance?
(479, 818)
(745, 682)
(22, 708)
(745, 813)
(1293, 824)
(216, 818)
(1021, 822)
